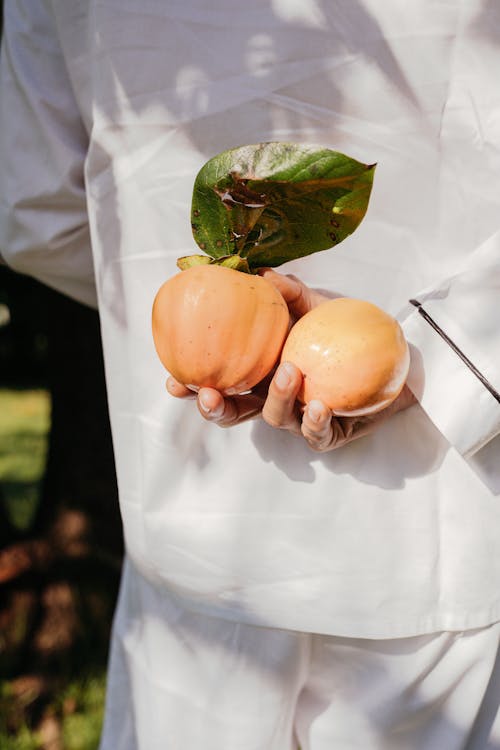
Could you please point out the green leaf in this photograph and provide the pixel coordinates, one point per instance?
(274, 202)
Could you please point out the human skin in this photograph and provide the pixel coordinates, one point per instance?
(275, 399)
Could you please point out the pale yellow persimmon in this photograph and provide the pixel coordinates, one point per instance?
(353, 356)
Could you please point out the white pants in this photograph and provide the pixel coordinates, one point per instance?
(184, 681)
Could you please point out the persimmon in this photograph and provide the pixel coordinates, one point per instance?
(217, 327)
(353, 356)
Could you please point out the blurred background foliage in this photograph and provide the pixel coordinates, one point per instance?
(60, 530)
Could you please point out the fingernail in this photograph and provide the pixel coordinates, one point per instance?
(207, 409)
(315, 411)
(205, 406)
(283, 376)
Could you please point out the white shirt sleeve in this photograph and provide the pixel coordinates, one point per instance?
(44, 228)
(454, 331)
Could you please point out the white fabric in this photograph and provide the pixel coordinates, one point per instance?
(108, 110)
(217, 684)
(43, 218)
(467, 308)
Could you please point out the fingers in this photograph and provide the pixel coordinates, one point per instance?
(299, 297)
(291, 289)
(322, 431)
(226, 412)
(325, 433)
(280, 408)
(213, 407)
(317, 426)
(178, 389)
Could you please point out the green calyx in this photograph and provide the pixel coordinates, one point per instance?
(230, 261)
(263, 205)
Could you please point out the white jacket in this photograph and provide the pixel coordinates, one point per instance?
(108, 110)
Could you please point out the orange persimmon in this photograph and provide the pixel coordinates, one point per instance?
(217, 327)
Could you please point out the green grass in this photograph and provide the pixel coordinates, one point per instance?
(81, 727)
(78, 709)
(24, 740)
(24, 425)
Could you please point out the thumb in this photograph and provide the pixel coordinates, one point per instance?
(299, 297)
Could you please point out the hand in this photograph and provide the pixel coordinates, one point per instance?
(275, 398)
(315, 422)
